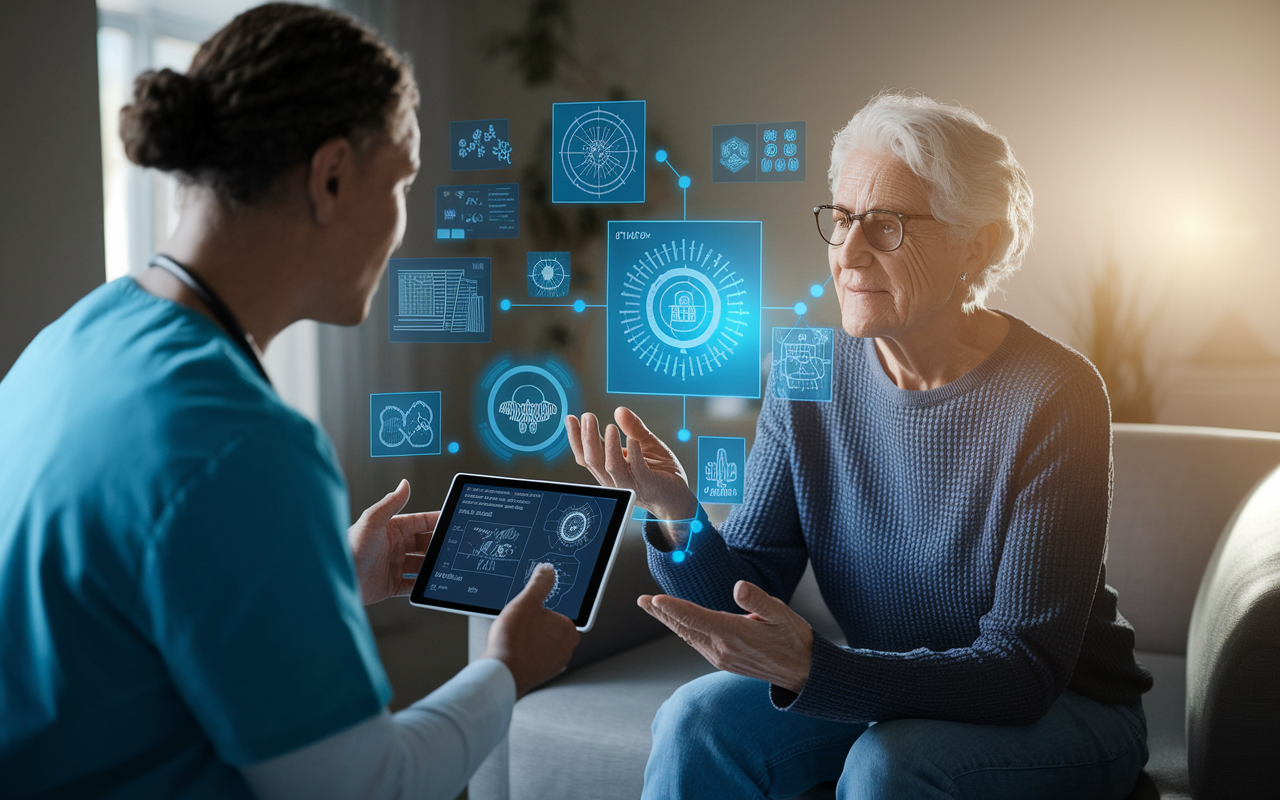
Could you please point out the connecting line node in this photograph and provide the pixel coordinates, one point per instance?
(677, 557)
(801, 309)
(454, 447)
(696, 526)
(816, 290)
(579, 306)
(684, 182)
(660, 156)
(505, 305)
(683, 434)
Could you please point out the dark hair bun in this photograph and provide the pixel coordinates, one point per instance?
(165, 125)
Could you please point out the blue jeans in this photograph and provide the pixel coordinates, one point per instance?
(719, 736)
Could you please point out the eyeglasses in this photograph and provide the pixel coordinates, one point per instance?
(882, 228)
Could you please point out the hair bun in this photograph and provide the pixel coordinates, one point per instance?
(166, 124)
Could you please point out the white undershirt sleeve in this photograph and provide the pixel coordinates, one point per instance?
(427, 751)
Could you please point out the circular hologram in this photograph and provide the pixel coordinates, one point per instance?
(683, 307)
(548, 274)
(598, 152)
(523, 400)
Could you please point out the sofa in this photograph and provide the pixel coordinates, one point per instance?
(1193, 550)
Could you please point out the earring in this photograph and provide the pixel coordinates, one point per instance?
(964, 276)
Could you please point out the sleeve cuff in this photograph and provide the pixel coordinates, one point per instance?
(829, 678)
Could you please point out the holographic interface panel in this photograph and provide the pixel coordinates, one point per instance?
(439, 300)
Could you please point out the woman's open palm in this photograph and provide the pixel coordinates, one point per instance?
(646, 465)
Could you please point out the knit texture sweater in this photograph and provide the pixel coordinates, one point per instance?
(957, 535)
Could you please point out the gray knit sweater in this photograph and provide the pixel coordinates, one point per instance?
(957, 535)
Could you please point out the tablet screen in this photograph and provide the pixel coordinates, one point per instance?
(495, 531)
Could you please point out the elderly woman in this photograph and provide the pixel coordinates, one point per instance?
(953, 500)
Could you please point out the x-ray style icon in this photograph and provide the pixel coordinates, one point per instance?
(723, 462)
(802, 363)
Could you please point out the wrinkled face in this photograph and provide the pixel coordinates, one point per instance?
(375, 221)
(886, 294)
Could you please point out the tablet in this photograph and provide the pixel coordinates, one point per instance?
(493, 531)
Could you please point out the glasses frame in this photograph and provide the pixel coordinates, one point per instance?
(904, 218)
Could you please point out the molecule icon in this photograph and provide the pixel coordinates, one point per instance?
(734, 154)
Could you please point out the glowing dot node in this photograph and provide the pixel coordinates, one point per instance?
(696, 526)
(505, 305)
(801, 308)
(677, 556)
(816, 290)
(683, 434)
(579, 306)
(684, 181)
(660, 156)
(454, 447)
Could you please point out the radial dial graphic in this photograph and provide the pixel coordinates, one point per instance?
(684, 312)
(598, 152)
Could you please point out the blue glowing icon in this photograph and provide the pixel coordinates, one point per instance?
(599, 156)
(439, 300)
(479, 144)
(404, 424)
(782, 150)
(548, 274)
(731, 148)
(802, 363)
(722, 466)
(521, 407)
(684, 308)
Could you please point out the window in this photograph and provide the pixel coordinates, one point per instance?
(140, 208)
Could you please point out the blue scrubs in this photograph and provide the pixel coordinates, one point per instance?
(176, 592)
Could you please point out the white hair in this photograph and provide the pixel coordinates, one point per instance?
(974, 178)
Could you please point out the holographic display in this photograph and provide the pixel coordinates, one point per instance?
(599, 155)
(478, 211)
(722, 468)
(802, 363)
(439, 300)
(404, 424)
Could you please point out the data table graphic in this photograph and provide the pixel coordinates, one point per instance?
(521, 406)
(404, 424)
(478, 211)
(722, 469)
(599, 152)
(684, 308)
(479, 144)
(439, 300)
(802, 363)
(548, 274)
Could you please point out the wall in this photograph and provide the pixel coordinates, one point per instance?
(51, 163)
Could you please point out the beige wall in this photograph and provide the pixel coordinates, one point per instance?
(1146, 128)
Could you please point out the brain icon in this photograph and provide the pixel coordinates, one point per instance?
(771, 136)
(789, 134)
(412, 427)
(770, 149)
(527, 408)
(780, 164)
(766, 165)
(789, 149)
(793, 164)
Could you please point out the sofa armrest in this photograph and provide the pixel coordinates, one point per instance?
(620, 625)
(1233, 656)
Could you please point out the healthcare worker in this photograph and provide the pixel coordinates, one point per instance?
(181, 600)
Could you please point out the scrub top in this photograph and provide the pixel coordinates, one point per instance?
(177, 596)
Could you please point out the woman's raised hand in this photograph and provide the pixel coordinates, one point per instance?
(646, 465)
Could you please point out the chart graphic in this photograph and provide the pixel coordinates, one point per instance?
(521, 407)
(599, 156)
(478, 211)
(684, 308)
(479, 144)
(439, 300)
(548, 274)
(722, 462)
(574, 523)
(404, 424)
(802, 363)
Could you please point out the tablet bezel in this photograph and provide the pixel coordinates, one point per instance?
(614, 531)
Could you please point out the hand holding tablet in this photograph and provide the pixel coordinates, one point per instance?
(493, 532)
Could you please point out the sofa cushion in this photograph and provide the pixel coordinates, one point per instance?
(1175, 489)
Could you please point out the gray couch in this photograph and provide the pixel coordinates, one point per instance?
(586, 734)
